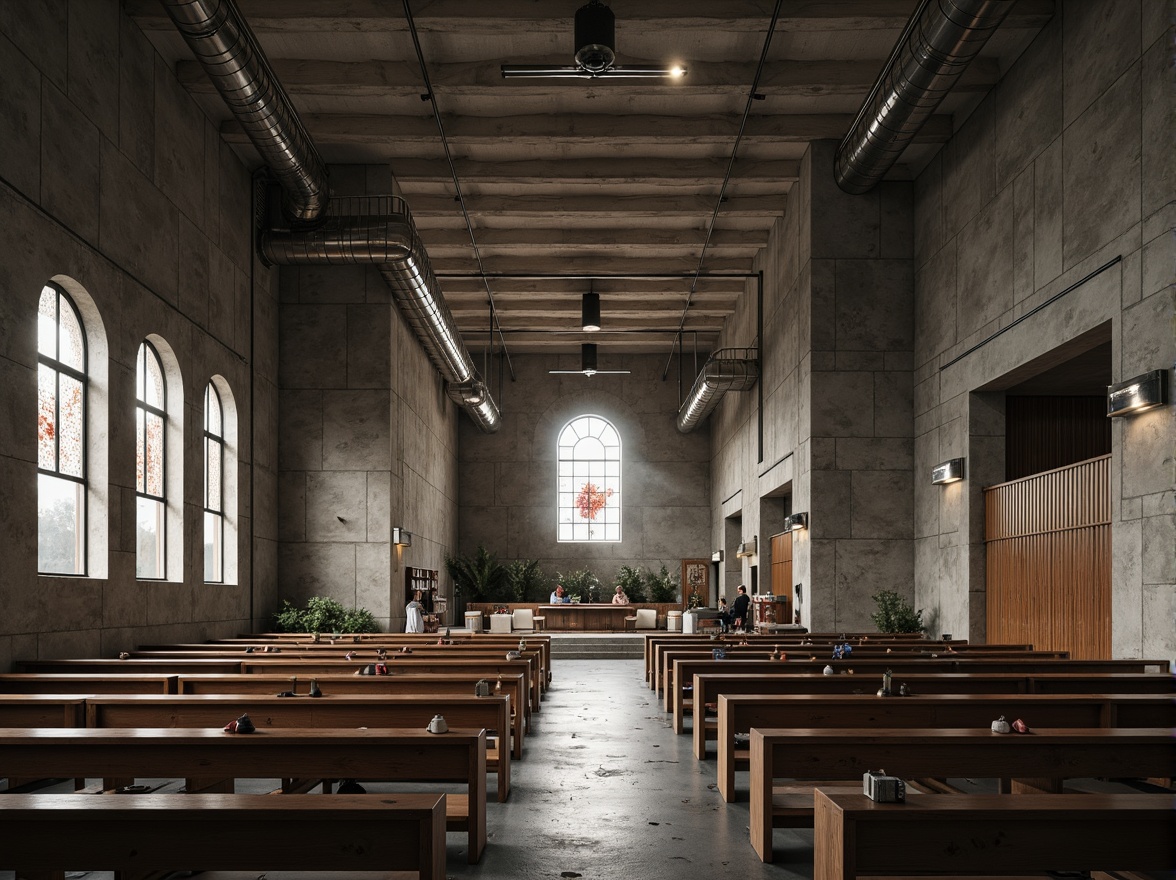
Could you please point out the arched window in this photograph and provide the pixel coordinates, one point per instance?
(589, 493)
(214, 485)
(151, 464)
(61, 435)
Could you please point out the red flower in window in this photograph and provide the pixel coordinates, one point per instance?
(591, 500)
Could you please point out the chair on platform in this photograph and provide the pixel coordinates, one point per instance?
(642, 618)
(500, 623)
(525, 619)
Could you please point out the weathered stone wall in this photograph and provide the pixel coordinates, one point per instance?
(508, 479)
(1067, 165)
(368, 438)
(114, 183)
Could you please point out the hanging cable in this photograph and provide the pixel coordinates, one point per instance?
(751, 96)
(416, 42)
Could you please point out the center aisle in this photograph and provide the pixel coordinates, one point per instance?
(606, 790)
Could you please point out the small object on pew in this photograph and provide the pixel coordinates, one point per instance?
(438, 725)
(447, 633)
(828, 670)
(888, 650)
(885, 690)
(138, 788)
(1000, 725)
(350, 655)
(406, 650)
(350, 786)
(775, 655)
(245, 724)
(1020, 726)
(381, 669)
(883, 789)
(123, 655)
(314, 639)
(249, 650)
(903, 690)
(482, 688)
(498, 685)
(522, 645)
(315, 691)
(513, 655)
(369, 669)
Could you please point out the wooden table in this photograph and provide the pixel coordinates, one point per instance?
(122, 755)
(585, 617)
(992, 834)
(845, 754)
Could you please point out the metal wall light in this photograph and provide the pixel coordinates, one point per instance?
(796, 522)
(590, 312)
(402, 537)
(717, 556)
(748, 548)
(1138, 395)
(950, 471)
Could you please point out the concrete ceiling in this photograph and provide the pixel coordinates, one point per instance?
(574, 183)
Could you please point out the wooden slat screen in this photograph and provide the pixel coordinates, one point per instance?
(781, 548)
(1042, 433)
(1048, 545)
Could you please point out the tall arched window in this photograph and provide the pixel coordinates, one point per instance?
(589, 493)
(151, 464)
(214, 484)
(61, 435)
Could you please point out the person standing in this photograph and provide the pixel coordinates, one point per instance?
(739, 608)
(414, 611)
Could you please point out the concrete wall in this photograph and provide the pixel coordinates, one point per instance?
(368, 438)
(1065, 167)
(113, 182)
(508, 479)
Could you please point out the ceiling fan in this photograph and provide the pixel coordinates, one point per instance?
(595, 53)
(588, 364)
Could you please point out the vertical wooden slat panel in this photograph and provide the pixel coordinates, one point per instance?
(1048, 539)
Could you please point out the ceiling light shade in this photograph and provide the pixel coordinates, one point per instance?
(797, 521)
(748, 548)
(1138, 395)
(595, 37)
(588, 358)
(950, 471)
(402, 537)
(590, 312)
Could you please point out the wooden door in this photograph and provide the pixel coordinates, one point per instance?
(780, 547)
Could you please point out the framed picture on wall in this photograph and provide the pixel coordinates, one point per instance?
(695, 583)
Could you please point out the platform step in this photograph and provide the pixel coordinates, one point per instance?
(595, 646)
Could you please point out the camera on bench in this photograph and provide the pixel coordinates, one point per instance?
(877, 786)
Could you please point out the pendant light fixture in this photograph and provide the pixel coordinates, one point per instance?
(590, 312)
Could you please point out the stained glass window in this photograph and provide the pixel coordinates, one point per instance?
(589, 481)
(150, 464)
(61, 435)
(214, 463)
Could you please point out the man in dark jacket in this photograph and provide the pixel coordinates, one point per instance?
(739, 609)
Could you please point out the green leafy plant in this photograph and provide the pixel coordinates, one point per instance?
(582, 583)
(481, 577)
(526, 581)
(629, 579)
(663, 587)
(323, 614)
(895, 614)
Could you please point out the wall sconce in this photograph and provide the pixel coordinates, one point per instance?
(402, 537)
(1138, 395)
(748, 548)
(950, 471)
(717, 556)
(796, 522)
(590, 312)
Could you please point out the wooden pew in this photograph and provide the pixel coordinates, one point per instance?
(704, 727)
(513, 685)
(42, 835)
(339, 711)
(845, 754)
(741, 713)
(85, 683)
(121, 755)
(992, 834)
(40, 710)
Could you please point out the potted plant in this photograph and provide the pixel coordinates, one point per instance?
(895, 614)
(581, 585)
(481, 577)
(629, 579)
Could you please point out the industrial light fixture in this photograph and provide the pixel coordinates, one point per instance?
(950, 471)
(590, 312)
(402, 537)
(588, 364)
(796, 522)
(596, 54)
(748, 548)
(1138, 395)
(717, 556)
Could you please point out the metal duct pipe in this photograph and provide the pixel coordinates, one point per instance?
(379, 230)
(940, 40)
(225, 46)
(728, 369)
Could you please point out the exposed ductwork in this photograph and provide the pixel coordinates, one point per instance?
(938, 43)
(728, 369)
(382, 234)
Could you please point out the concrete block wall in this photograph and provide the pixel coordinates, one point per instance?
(368, 438)
(508, 480)
(114, 183)
(1065, 167)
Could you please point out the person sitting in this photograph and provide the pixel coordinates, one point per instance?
(619, 597)
(558, 597)
(739, 609)
(724, 615)
(415, 622)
